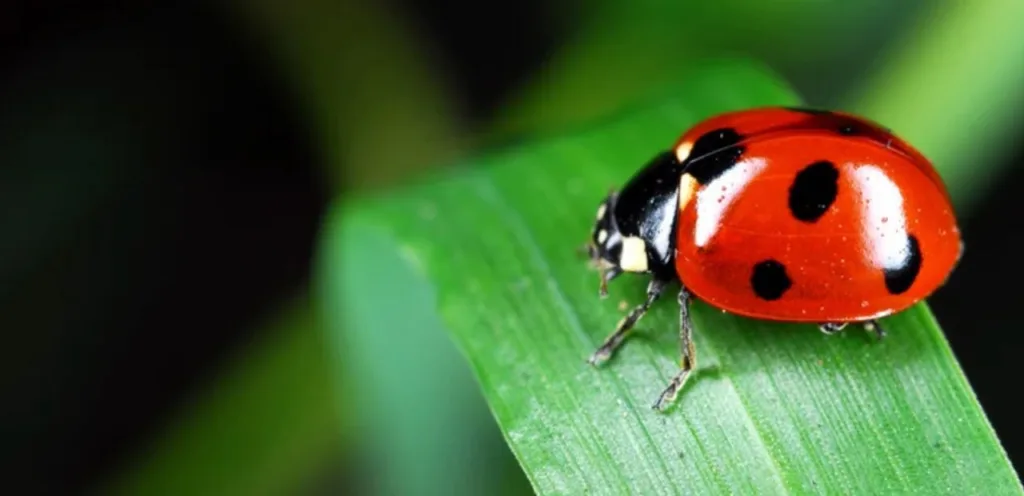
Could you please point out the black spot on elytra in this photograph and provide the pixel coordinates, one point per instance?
(899, 279)
(769, 280)
(813, 191)
(848, 130)
(714, 153)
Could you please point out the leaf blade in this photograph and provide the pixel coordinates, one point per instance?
(774, 409)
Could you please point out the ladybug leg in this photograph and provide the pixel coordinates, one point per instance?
(874, 327)
(654, 290)
(687, 351)
(871, 326)
(831, 328)
(607, 275)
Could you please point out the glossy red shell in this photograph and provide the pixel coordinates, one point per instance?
(886, 192)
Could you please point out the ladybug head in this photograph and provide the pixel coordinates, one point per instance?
(616, 248)
(606, 243)
(633, 231)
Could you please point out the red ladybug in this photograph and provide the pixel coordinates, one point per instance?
(782, 214)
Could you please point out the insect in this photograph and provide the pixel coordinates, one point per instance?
(783, 214)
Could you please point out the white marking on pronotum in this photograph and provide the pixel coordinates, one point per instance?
(601, 210)
(634, 255)
(687, 187)
(602, 236)
(683, 151)
(662, 238)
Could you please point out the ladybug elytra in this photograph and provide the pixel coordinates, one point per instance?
(783, 214)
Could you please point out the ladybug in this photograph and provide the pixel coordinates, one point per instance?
(783, 214)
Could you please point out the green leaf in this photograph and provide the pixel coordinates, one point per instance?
(401, 356)
(773, 408)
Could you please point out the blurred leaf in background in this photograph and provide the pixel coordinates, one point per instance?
(617, 51)
(262, 427)
(374, 86)
(384, 101)
(953, 88)
(127, 265)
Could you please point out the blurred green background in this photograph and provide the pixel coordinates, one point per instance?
(167, 167)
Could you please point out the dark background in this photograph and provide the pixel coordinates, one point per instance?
(160, 193)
